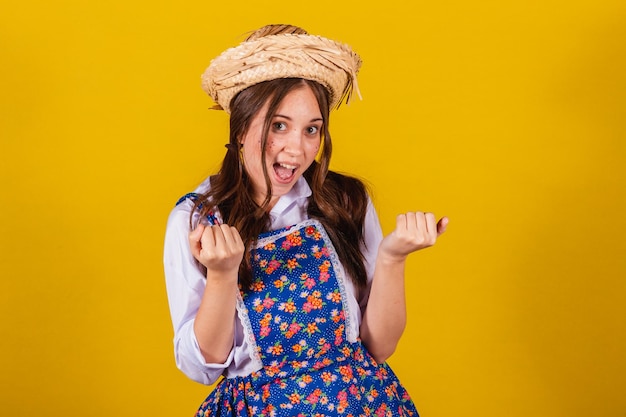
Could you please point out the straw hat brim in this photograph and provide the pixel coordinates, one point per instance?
(332, 64)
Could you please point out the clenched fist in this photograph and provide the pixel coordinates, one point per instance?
(219, 248)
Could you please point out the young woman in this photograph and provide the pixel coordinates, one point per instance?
(278, 276)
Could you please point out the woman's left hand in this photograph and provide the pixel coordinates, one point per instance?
(414, 231)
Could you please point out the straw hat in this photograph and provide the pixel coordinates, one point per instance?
(296, 54)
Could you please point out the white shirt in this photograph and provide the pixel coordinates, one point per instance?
(185, 284)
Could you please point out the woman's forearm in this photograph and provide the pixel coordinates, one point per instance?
(214, 325)
(384, 319)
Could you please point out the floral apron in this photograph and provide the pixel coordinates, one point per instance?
(295, 314)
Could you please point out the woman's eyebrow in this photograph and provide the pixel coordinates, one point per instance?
(317, 119)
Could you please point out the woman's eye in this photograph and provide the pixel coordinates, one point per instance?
(279, 126)
(313, 130)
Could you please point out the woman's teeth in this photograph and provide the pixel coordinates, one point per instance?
(284, 171)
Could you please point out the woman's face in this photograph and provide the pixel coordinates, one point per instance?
(292, 143)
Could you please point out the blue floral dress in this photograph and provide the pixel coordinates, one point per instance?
(295, 314)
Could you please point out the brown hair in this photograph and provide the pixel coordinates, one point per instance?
(338, 201)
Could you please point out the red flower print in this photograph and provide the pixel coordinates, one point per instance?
(324, 266)
(323, 350)
(381, 374)
(294, 238)
(295, 327)
(272, 369)
(257, 286)
(256, 305)
(334, 296)
(294, 398)
(390, 391)
(312, 328)
(317, 253)
(313, 302)
(279, 283)
(240, 405)
(372, 394)
(309, 283)
(346, 351)
(265, 331)
(265, 321)
(336, 316)
(292, 264)
(381, 411)
(339, 334)
(288, 307)
(313, 397)
(269, 410)
(346, 373)
(275, 350)
(274, 264)
(328, 377)
(268, 302)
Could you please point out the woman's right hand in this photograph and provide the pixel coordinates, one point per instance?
(219, 248)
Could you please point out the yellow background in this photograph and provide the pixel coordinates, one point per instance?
(509, 117)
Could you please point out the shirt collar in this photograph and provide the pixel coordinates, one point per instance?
(298, 192)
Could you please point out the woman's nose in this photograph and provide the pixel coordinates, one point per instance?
(293, 145)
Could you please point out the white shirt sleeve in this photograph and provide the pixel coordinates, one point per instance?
(185, 283)
(372, 235)
(358, 298)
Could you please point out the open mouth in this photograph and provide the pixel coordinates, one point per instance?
(284, 172)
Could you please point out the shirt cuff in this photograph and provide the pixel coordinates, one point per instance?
(190, 361)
